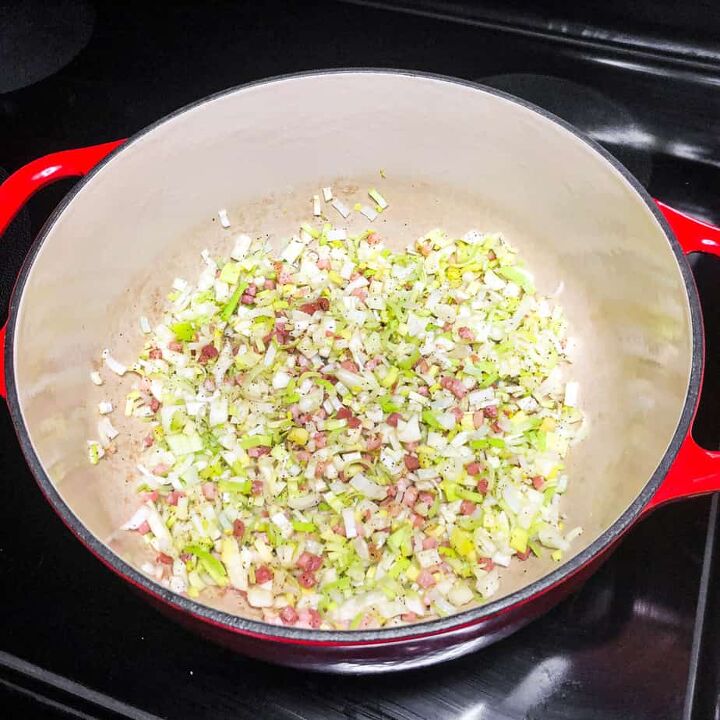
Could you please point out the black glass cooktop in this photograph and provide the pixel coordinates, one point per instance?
(640, 640)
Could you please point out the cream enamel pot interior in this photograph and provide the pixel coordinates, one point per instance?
(456, 155)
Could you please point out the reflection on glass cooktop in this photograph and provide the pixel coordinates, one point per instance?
(605, 120)
(75, 641)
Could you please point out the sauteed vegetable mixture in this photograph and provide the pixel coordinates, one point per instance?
(349, 436)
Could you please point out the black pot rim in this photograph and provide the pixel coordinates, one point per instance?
(265, 631)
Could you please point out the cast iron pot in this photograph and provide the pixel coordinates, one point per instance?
(456, 155)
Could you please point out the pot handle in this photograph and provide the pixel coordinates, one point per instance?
(30, 178)
(695, 470)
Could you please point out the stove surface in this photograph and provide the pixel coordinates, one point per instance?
(638, 641)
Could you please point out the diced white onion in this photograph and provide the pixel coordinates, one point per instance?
(343, 209)
(368, 488)
(369, 213)
(241, 247)
(106, 431)
(349, 521)
(280, 380)
(304, 502)
(409, 431)
(137, 518)
(571, 394)
(259, 597)
(270, 355)
(337, 234)
(224, 220)
(112, 364)
(292, 252)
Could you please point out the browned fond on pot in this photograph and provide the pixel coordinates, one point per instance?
(455, 157)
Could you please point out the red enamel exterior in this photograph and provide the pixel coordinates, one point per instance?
(694, 235)
(694, 471)
(34, 176)
(30, 178)
(3, 390)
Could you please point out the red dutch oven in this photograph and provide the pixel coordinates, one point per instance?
(457, 155)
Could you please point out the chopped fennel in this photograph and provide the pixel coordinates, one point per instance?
(351, 436)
